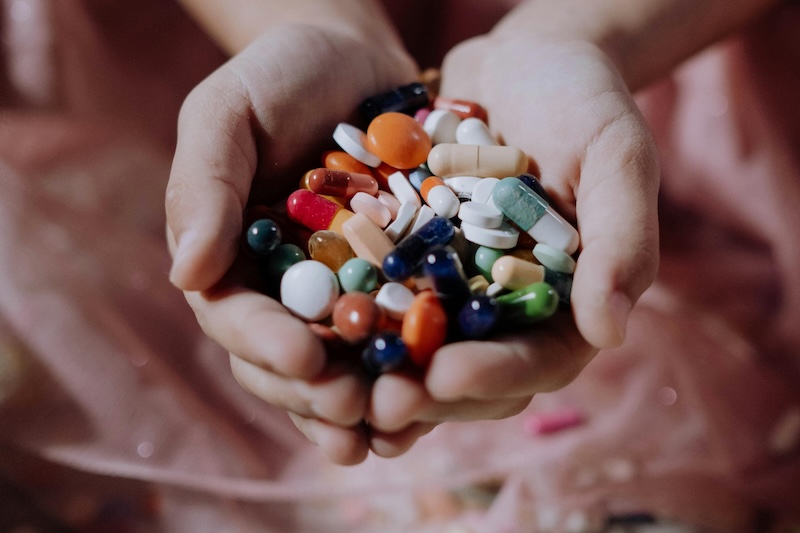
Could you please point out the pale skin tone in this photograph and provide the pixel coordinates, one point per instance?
(556, 77)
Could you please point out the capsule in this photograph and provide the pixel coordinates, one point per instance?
(385, 352)
(339, 160)
(444, 269)
(406, 99)
(474, 131)
(528, 305)
(478, 317)
(341, 183)
(534, 215)
(448, 160)
(514, 273)
(315, 212)
(400, 263)
(439, 197)
(463, 108)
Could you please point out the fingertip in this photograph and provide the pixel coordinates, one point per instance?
(395, 401)
(343, 446)
(388, 445)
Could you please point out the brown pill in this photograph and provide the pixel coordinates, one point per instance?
(356, 316)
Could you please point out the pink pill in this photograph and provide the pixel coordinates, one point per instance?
(545, 423)
(371, 207)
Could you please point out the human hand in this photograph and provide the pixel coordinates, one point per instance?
(566, 106)
(242, 133)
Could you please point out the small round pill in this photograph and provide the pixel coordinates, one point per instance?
(263, 236)
(356, 316)
(329, 248)
(309, 289)
(385, 352)
(354, 141)
(358, 275)
(398, 140)
(424, 327)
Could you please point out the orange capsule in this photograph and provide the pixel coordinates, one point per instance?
(462, 108)
(341, 183)
(424, 327)
(398, 140)
(339, 160)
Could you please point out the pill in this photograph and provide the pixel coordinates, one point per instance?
(341, 183)
(371, 207)
(424, 215)
(503, 238)
(263, 236)
(329, 248)
(304, 184)
(339, 160)
(446, 160)
(444, 268)
(315, 212)
(478, 317)
(495, 289)
(553, 258)
(422, 114)
(441, 126)
(480, 215)
(401, 262)
(390, 201)
(384, 353)
(381, 173)
(463, 185)
(398, 140)
(478, 284)
(528, 305)
(358, 275)
(533, 215)
(418, 175)
(356, 316)
(279, 261)
(561, 283)
(405, 216)
(514, 273)
(536, 186)
(354, 141)
(482, 192)
(439, 197)
(404, 99)
(424, 328)
(474, 131)
(309, 290)
(367, 240)
(395, 299)
(403, 190)
(485, 258)
(552, 422)
(462, 108)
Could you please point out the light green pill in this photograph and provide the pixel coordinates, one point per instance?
(528, 305)
(358, 275)
(484, 260)
(519, 203)
(553, 258)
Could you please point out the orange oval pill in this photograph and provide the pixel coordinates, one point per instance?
(424, 327)
(398, 140)
(339, 160)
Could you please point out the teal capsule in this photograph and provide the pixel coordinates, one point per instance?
(484, 260)
(519, 203)
(358, 275)
(529, 304)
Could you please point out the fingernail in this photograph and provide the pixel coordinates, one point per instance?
(185, 243)
(620, 309)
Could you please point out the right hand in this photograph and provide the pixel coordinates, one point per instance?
(242, 135)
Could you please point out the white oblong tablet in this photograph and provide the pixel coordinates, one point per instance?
(370, 206)
(390, 201)
(405, 216)
(441, 126)
(402, 189)
(474, 131)
(424, 215)
(554, 258)
(443, 201)
(480, 215)
(502, 238)
(309, 289)
(394, 298)
(354, 141)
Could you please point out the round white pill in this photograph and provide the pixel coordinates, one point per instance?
(441, 125)
(354, 141)
(502, 238)
(480, 215)
(394, 298)
(309, 289)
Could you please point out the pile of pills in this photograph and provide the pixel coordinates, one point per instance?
(419, 231)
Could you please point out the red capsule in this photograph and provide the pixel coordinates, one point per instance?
(462, 108)
(341, 183)
(315, 212)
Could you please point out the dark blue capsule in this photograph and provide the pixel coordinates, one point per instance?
(400, 263)
(444, 269)
(385, 352)
(406, 99)
(478, 317)
(561, 282)
(263, 236)
(535, 185)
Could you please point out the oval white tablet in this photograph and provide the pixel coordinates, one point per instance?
(309, 289)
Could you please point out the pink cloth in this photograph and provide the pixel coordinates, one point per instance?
(110, 393)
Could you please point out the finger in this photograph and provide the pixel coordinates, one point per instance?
(543, 359)
(398, 401)
(259, 330)
(396, 444)
(211, 174)
(344, 446)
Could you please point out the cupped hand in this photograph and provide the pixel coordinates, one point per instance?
(242, 134)
(567, 107)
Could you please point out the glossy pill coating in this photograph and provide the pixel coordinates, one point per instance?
(395, 299)
(279, 261)
(354, 141)
(528, 305)
(384, 353)
(315, 212)
(309, 290)
(340, 200)
(405, 99)
(356, 316)
(367, 240)
(536, 186)
(398, 140)
(533, 215)
(474, 131)
(503, 237)
(447, 160)
(443, 266)
(329, 248)
(439, 197)
(424, 328)
(441, 126)
(358, 275)
(372, 208)
(418, 175)
(462, 108)
(553, 258)
(514, 273)
(341, 183)
(263, 236)
(485, 259)
(339, 160)
(400, 263)
(478, 317)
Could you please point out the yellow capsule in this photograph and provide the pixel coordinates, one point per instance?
(513, 273)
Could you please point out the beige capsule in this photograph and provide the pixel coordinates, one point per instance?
(513, 273)
(448, 160)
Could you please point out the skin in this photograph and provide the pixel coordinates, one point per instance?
(556, 77)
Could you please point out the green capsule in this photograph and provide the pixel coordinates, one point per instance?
(358, 275)
(484, 259)
(529, 304)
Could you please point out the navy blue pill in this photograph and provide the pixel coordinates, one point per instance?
(406, 99)
(478, 317)
(535, 185)
(385, 352)
(444, 269)
(263, 236)
(400, 263)
(561, 282)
